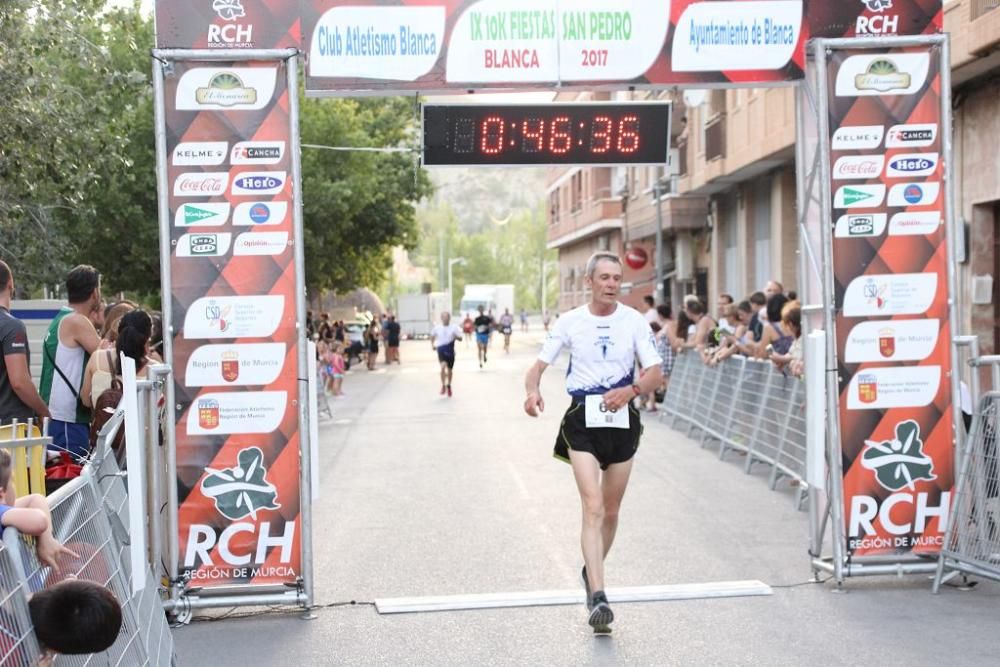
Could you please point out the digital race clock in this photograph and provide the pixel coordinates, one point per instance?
(547, 134)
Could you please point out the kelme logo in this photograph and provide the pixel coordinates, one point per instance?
(242, 490)
(899, 462)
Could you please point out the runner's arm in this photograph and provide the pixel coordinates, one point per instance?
(533, 403)
(20, 382)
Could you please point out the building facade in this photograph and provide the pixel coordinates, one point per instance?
(728, 213)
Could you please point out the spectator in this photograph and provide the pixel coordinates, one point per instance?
(650, 312)
(741, 340)
(665, 343)
(310, 325)
(791, 325)
(325, 329)
(337, 369)
(75, 617)
(774, 338)
(648, 401)
(18, 397)
(723, 307)
(759, 303)
(392, 335)
(338, 331)
(668, 327)
(524, 320)
(681, 329)
(773, 287)
(112, 314)
(104, 368)
(371, 336)
(69, 342)
(701, 325)
(156, 339)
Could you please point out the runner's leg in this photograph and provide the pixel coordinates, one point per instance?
(587, 473)
(613, 484)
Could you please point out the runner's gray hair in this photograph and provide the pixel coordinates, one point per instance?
(597, 257)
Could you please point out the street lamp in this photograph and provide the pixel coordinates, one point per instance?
(658, 191)
(452, 262)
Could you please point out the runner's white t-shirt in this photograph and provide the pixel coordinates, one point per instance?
(602, 350)
(445, 335)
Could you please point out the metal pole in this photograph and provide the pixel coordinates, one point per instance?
(166, 289)
(155, 470)
(832, 382)
(451, 299)
(658, 288)
(305, 469)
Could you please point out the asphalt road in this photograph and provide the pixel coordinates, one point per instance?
(425, 495)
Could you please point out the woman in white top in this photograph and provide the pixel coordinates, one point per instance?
(104, 367)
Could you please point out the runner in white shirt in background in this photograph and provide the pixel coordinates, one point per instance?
(443, 337)
(600, 431)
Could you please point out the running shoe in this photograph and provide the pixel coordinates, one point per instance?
(600, 611)
(449, 391)
(586, 585)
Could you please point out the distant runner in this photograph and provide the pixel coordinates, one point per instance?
(524, 320)
(443, 337)
(506, 328)
(600, 431)
(483, 324)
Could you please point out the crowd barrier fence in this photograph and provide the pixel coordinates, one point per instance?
(90, 517)
(746, 405)
(972, 539)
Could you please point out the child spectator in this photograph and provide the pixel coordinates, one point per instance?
(791, 362)
(337, 366)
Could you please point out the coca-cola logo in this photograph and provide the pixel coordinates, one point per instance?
(201, 184)
(859, 166)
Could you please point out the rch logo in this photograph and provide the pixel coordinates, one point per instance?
(877, 25)
(242, 490)
(230, 10)
(899, 462)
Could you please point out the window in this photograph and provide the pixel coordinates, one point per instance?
(577, 191)
(554, 211)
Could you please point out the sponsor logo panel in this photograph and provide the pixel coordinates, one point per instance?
(203, 244)
(229, 89)
(908, 165)
(257, 152)
(261, 243)
(860, 225)
(237, 365)
(858, 166)
(857, 137)
(198, 153)
(251, 214)
(917, 135)
(205, 214)
(236, 412)
(859, 196)
(891, 340)
(890, 294)
(893, 387)
(201, 184)
(914, 224)
(914, 194)
(255, 316)
(898, 74)
(258, 183)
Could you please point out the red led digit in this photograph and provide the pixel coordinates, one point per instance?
(559, 138)
(491, 132)
(533, 131)
(600, 136)
(628, 134)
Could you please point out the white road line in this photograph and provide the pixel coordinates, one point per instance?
(521, 487)
(718, 589)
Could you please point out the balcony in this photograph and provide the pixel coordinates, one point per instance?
(978, 8)
(715, 137)
(984, 26)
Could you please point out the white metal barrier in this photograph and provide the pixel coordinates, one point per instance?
(745, 405)
(86, 517)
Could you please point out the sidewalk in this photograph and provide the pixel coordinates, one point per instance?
(423, 495)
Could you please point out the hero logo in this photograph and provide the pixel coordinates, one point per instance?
(259, 183)
(879, 24)
(201, 184)
(857, 136)
(233, 34)
(912, 164)
(917, 135)
(858, 166)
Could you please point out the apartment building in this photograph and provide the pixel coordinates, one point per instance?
(728, 212)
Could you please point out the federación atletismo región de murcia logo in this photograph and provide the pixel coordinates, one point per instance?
(242, 490)
(899, 462)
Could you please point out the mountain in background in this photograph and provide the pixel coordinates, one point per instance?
(479, 196)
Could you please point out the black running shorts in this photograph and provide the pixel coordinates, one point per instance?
(608, 445)
(445, 358)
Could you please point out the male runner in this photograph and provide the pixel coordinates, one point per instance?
(600, 431)
(443, 337)
(483, 325)
(506, 328)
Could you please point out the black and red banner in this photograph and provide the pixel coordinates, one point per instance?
(235, 343)
(890, 259)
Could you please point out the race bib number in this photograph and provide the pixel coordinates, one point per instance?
(598, 415)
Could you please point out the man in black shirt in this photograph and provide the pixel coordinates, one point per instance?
(483, 326)
(392, 340)
(19, 399)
